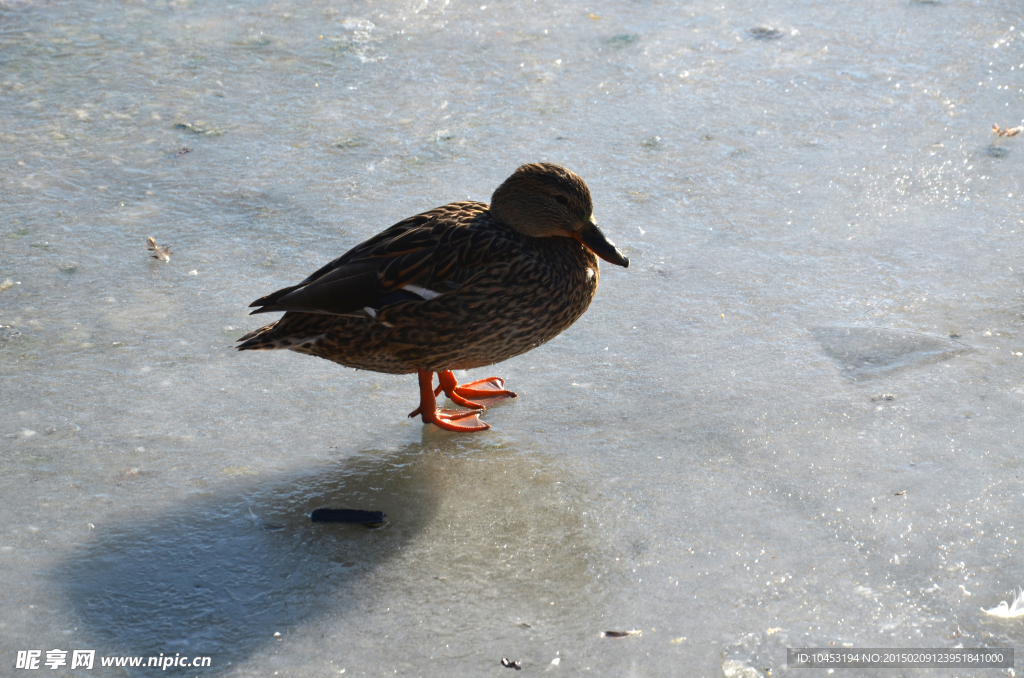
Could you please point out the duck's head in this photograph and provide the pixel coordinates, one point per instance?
(542, 200)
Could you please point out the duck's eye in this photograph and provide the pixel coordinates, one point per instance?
(562, 199)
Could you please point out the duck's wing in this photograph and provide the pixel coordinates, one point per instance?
(416, 259)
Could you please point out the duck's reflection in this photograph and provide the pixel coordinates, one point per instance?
(210, 578)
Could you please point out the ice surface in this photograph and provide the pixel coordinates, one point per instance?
(867, 351)
(792, 421)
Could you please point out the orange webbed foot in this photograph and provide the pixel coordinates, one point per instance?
(463, 421)
(479, 394)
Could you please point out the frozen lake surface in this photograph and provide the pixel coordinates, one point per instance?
(795, 420)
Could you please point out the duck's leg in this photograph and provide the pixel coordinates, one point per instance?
(478, 394)
(446, 419)
(437, 392)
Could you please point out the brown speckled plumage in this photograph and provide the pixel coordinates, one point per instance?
(459, 287)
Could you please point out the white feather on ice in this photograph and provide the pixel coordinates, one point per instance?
(1014, 609)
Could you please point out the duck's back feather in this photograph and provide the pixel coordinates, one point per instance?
(424, 251)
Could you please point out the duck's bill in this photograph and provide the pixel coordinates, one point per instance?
(593, 239)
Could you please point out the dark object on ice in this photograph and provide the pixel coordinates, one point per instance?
(183, 152)
(765, 33)
(348, 516)
(459, 287)
(618, 634)
(161, 252)
(505, 661)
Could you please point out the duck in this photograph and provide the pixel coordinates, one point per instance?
(458, 287)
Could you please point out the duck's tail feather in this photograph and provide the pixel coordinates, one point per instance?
(297, 331)
(261, 339)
